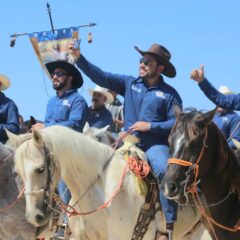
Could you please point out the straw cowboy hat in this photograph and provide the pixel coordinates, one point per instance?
(225, 90)
(163, 55)
(104, 91)
(236, 143)
(70, 68)
(5, 82)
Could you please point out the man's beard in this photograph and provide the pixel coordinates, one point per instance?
(59, 85)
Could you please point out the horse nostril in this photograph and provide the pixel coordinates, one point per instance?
(39, 218)
(172, 187)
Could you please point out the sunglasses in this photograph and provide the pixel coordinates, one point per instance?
(145, 61)
(59, 74)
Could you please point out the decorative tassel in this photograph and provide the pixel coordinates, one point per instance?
(90, 37)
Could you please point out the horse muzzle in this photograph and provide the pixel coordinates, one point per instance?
(36, 217)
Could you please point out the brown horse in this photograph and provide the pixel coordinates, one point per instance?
(203, 169)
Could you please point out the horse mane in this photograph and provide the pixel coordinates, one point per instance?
(77, 149)
(228, 166)
(225, 161)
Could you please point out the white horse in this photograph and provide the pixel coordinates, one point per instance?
(91, 175)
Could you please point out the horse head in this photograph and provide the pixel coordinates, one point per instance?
(189, 143)
(33, 163)
(99, 134)
(26, 126)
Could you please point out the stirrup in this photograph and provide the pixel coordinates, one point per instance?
(169, 227)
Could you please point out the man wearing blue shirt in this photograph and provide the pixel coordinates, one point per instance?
(8, 112)
(68, 108)
(231, 102)
(148, 107)
(98, 115)
(227, 121)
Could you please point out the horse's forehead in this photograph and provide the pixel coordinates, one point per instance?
(28, 152)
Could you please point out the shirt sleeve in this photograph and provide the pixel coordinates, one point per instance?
(115, 82)
(231, 102)
(12, 120)
(164, 127)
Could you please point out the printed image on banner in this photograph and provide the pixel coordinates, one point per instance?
(50, 47)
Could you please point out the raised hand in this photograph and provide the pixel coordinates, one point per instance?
(75, 52)
(198, 74)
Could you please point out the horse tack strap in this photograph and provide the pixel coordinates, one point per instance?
(179, 162)
(147, 211)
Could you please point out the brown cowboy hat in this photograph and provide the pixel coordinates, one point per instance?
(163, 56)
(70, 68)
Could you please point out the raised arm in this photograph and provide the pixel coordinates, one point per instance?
(231, 102)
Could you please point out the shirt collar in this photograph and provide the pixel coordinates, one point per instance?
(68, 93)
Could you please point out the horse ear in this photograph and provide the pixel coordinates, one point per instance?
(99, 131)
(86, 127)
(32, 120)
(206, 118)
(37, 138)
(13, 140)
(177, 110)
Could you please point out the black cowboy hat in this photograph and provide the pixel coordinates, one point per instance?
(70, 68)
(163, 56)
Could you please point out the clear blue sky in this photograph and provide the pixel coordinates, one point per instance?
(196, 32)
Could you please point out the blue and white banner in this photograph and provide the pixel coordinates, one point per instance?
(51, 47)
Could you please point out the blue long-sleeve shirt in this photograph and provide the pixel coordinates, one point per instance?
(231, 102)
(99, 118)
(69, 110)
(9, 117)
(154, 104)
(229, 124)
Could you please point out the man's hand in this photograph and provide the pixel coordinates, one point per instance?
(75, 52)
(38, 126)
(198, 74)
(141, 127)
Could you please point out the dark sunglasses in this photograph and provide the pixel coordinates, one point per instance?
(145, 61)
(59, 74)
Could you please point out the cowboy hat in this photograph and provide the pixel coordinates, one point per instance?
(163, 56)
(104, 91)
(70, 68)
(225, 90)
(5, 82)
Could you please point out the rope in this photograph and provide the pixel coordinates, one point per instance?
(2, 210)
(140, 168)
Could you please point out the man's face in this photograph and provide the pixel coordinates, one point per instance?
(59, 78)
(98, 100)
(148, 67)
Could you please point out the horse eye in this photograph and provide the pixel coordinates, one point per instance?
(40, 170)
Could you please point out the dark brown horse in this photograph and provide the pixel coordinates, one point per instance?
(204, 171)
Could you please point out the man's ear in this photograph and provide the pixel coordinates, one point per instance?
(160, 69)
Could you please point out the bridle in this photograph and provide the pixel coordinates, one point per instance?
(46, 190)
(192, 188)
(193, 166)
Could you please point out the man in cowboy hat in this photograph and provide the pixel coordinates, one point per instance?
(98, 116)
(116, 109)
(231, 101)
(227, 120)
(8, 111)
(68, 108)
(148, 107)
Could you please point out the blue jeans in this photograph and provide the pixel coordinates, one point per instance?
(64, 194)
(158, 156)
